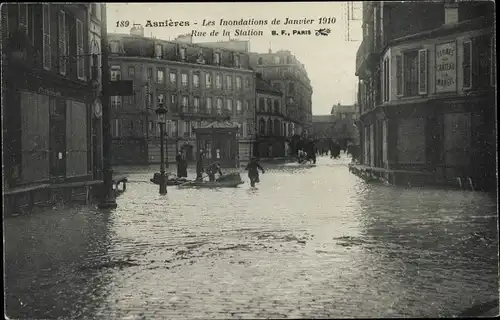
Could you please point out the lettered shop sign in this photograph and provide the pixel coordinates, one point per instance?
(446, 67)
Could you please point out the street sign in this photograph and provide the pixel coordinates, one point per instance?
(121, 88)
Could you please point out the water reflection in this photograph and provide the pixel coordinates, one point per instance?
(44, 255)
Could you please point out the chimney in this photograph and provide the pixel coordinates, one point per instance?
(137, 31)
(450, 12)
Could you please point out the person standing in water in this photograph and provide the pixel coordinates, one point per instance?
(253, 171)
(199, 166)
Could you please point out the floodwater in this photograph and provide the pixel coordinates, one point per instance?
(307, 242)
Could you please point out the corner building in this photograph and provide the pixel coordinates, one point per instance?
(285, 73)
(427, 93)
(195, 83)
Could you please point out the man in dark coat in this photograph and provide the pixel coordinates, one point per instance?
(181, 166)
(199, 166)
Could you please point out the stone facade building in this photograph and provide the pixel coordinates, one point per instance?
(427, 83)
(50, 93)
(344, 120)
(288, 75)
(271, 140)
(195, 83)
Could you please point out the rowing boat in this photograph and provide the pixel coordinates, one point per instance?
(170, 182)
(208, 184)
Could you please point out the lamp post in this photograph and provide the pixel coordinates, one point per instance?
(161, 114)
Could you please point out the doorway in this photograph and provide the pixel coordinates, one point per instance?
(57, 139)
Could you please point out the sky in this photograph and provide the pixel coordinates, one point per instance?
(329, 60)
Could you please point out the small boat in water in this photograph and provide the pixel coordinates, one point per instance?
(231, 180)
(170, 182)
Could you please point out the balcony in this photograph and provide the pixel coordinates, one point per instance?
(366, 57)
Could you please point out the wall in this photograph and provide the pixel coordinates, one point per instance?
(430, 44)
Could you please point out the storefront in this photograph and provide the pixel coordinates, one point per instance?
(48, 128)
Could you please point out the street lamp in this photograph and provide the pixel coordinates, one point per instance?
(161, 115)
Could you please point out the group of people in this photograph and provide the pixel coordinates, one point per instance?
(303, 156)
(214, 168)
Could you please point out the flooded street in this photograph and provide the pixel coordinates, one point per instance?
(308, 242)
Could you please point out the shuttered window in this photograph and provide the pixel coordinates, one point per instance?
(422, 71)
(399, 75)
(467, 65)
(34, 136)
(80, 60)
(63, 48)
(46, 37)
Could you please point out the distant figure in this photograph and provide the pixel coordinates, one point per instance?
(253, 171)
(199, 166)
(334, 150)
(212, 170)
(181, 166)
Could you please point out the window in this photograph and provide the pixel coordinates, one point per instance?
(236, 61)
(196, 104)
(182, 53)
(80, 60)
(422, 72)
(238, 83)
(160, 76)
(262, 105)
(196, 80)
(410, 74)
(173, 101)
(151, 126)
(276, 106)
(184, 79)
(246, 106)
(259, 62)
(277, 60)
(185, 102)
(247, 82)
(229, 106)
(116, 127)
(291, 87)
(218, 81)
(208, 80)
(269, 107)
(131, 72)
(116, 101)
(229, 82)
(399, 77)
(239, 107)
(217, 58)
(173, 77)
(270, 127)
(386, 78)
(150, 74)
(161, 98)
(208, 106)
(63, 43)
(262, 127)
(114, 46)
(116, 73)
(158, 51)
(219, 106)
(46, 37)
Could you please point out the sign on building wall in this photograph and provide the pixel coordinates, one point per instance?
(446, 67)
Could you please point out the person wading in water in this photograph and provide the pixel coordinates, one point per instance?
(212, 170)
(253, 171)
(199, 166)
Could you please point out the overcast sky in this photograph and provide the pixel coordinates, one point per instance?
(329, 60)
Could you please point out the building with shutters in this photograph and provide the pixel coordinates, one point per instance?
(426, 92)
(195, 83)
(285, 72)
(49, 93)
(271, 139)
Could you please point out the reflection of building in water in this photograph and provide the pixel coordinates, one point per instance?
(426, 90)
(195, 83)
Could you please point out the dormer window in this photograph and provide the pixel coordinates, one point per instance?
(182, 53)
(217, 58)
(114, 46)
(200, 58)
(236, 61)
(158, 51)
